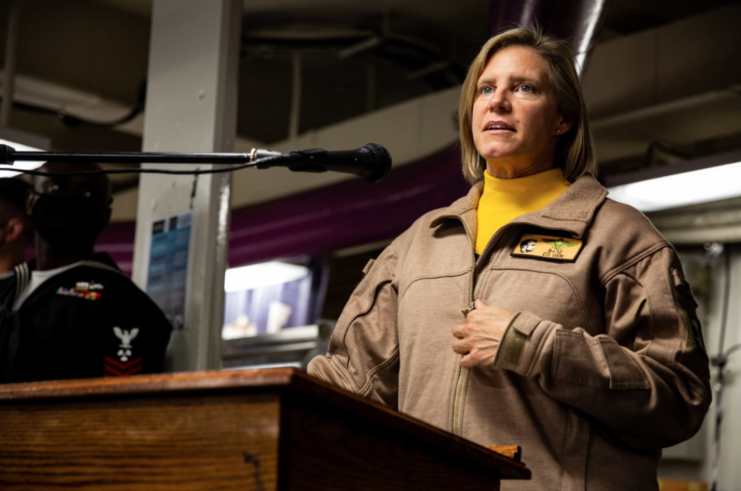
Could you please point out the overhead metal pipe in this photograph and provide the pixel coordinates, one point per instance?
(576, 21)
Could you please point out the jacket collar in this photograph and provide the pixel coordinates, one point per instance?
(22, 277)
(100, 260)
(573, 211)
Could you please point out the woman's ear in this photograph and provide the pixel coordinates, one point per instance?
(564, 125)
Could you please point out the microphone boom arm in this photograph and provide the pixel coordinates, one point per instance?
(9, 156)
(368, 162)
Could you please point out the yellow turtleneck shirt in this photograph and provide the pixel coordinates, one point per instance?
(503, 200)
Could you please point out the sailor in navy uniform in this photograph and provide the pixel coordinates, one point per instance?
(72, 313)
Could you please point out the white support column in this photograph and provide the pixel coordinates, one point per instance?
(191, 107)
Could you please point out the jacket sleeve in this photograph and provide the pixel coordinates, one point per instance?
(646, 378)
(363, 354)
(132, 334)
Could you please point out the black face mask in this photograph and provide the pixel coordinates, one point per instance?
(69, 224)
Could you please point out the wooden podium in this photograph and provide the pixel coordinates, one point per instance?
(273, 429)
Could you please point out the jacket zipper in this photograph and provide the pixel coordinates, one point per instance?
(463, 372)
(474, 293)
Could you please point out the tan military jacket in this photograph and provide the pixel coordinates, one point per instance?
(602, 365)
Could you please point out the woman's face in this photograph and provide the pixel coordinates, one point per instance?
(516, 121)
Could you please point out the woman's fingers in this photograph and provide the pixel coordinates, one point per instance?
(458, 331)
(479, 338)
(468, 362)
(461, 347)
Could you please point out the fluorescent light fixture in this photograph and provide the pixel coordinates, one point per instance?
(687, 183)
(23, 142)
(264, 274)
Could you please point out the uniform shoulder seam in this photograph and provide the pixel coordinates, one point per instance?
(644, 223)
(609, 275)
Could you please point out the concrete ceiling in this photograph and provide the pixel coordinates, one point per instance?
(100, 47)
(458, 18)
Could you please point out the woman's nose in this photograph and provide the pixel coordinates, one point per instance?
(499, 101)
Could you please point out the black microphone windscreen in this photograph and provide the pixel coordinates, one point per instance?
(381, 159)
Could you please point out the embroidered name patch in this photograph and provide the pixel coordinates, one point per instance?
(548, 247)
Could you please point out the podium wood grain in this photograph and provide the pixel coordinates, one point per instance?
(251, 430)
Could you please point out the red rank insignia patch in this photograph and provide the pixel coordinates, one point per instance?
(115, 368)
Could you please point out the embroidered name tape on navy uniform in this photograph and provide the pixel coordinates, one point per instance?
(548, 247)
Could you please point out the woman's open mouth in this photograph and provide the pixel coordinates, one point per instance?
(497, 127)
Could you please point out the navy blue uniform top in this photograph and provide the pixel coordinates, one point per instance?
(87, 321)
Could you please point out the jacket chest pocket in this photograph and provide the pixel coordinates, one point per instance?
(430, 306)
(547, 295)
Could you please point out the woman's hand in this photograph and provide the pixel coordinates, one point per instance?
(480, 336)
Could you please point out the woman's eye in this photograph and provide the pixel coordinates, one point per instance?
(486, 90)
(526, 88)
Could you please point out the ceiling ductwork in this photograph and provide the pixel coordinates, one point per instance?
(419, 58)
(577, 21)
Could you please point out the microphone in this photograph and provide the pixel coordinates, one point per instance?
(372, 162)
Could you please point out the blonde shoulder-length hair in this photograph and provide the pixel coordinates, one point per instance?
(575, 150)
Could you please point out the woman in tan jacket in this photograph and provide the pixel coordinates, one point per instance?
(534, 310)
